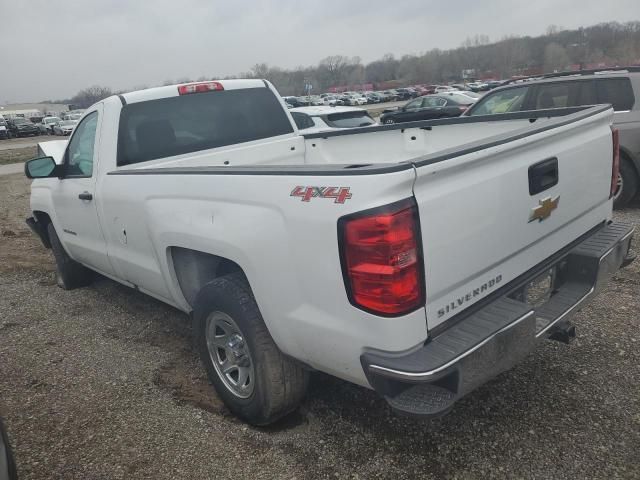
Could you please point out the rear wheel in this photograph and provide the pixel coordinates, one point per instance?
(69, 273)
(253, 378)
(627, 184)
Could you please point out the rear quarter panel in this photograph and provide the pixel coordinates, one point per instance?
(287, 248)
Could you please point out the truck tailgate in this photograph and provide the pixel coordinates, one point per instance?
(500, 208)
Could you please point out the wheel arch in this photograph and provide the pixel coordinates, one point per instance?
(44, 220)
(193, 269)
(632, 159)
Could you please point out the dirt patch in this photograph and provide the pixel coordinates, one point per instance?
(187, 383)
(20, 250)
(17, 155)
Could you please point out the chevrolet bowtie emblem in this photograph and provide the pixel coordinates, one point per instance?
(542, 211)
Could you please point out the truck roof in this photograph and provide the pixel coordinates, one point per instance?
(156, 93)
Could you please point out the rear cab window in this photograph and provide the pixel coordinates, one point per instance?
(190, 123)
(302, 120)
(349, 120)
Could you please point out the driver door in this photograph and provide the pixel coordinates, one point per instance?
(412, 110)
(74, 197)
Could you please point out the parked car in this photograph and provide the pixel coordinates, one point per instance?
(321, 119)
(373, 97)
(293, 101)
(71, 116)
(478, 86)
(4, 129)
(358, 99)
(384, 97)
(618, 87)
(406, 93)
(494, 84)
(21, 127)
(64, 127)
(46, 126)
(392, 95)
(419, 261)
(332, 100)
(463, 98)
(7, 462)
(442, 88)
(427, 108)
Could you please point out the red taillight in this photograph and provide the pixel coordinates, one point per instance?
(382, 260)
(615, 169)
(199, 87)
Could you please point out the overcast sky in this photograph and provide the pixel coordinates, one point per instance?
(53, 48)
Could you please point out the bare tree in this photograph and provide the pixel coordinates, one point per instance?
(87, 97)
(336, 68)
(555, 58)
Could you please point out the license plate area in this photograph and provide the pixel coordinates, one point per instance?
(538, 291)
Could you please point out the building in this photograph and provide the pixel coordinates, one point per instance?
(32, 110)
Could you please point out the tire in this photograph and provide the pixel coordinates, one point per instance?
(69, 273)
(278, 384)
(628, 186)
(9, 469)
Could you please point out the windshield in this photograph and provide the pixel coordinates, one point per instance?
(66, 123)
(51, 120)
(504, 101)
(349, 120)
(19, 120)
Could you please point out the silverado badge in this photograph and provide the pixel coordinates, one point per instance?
(543, 211)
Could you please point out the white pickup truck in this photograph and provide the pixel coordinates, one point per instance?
(419, 259)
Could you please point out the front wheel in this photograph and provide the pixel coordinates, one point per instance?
(627, 184)
(252, 377)
(69, 273)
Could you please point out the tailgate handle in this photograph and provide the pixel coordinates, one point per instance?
(543, 175)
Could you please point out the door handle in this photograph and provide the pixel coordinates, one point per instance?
(543, 175)
(85, 196)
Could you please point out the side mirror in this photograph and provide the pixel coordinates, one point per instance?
(44, 167)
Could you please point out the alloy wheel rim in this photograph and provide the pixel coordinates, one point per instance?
(620, 185)
(230, 354)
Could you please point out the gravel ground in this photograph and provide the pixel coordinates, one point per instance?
(8, 144)
(101, 383)
(17, 155)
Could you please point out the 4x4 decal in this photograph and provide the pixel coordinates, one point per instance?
(339, 194)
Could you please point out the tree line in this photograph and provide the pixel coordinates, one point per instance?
(606, 44)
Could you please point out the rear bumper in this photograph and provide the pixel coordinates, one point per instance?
(427, 381)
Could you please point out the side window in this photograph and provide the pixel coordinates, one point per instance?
(79, 157)
(505, 101)
(616, 91)
(302, 120)
(432, 102)
(587, 94)
(553, 95)
(413, 105)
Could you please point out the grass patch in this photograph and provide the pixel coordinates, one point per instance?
(16, 155)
